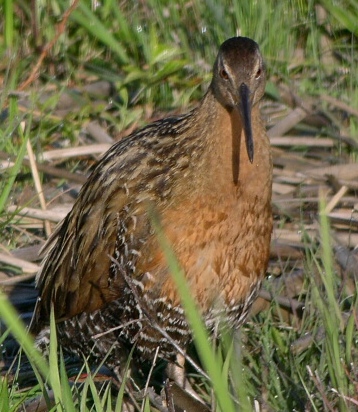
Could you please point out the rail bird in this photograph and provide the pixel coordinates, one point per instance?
(208, 175)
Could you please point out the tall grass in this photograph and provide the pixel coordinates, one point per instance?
(158, 55)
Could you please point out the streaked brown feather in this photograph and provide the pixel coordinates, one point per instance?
(104, 268)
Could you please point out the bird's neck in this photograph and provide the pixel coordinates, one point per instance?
(225, 162)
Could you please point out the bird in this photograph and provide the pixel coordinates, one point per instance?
(207, 174)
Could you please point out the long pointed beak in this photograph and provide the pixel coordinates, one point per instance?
(245, 109)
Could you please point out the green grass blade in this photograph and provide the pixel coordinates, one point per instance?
(202, 342)
(9, 23)
(88, 20)
(53, 361)
(4, 394)
(66, 393)
(18, 329)
(14, 171)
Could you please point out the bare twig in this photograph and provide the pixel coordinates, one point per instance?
(26, 267)
(320, 388)
(288, 122)
(38, 185)
(52, 216)
(336, 199)
(76, 151)
(49, 170)
(149, 375)
(18, 279)
(339, 104)
(309, 141)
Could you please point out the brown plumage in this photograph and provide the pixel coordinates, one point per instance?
(208, 175)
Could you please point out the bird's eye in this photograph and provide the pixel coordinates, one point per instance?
(258, 73)
(223, 74)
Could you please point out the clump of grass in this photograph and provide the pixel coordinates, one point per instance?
(157, 57)
(258, 368)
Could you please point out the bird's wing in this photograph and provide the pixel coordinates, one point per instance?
(103, 235)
